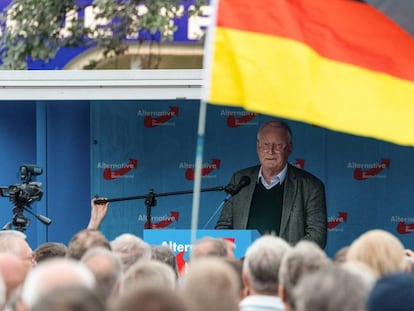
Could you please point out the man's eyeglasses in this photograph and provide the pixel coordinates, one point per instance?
(266, 147)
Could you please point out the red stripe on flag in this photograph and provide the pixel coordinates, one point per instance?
(341, 30)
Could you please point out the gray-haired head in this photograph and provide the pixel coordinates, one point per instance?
(330, 288)
(149, 273)
(14, 242)
(304, 258)
(107, 269)
(71, 298)
(55, 273)
(8, 240)
(130, 249)
(275, 123)
(262, 262)
(166, 255)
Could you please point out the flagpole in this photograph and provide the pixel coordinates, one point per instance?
(202, 121)
(198, 168)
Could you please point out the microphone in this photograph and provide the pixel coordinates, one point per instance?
(232, 190)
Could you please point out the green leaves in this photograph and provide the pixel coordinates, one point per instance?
(37, 29)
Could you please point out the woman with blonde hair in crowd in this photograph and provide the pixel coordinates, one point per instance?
(380, 250)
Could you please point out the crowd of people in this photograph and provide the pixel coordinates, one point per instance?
(91, 273)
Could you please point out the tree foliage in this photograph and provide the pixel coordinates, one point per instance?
(37, 29)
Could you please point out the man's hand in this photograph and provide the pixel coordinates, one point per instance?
(98, 213)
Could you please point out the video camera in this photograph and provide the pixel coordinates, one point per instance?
(24, 194)
(27, 192)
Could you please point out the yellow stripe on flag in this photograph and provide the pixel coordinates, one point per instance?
(286, 78)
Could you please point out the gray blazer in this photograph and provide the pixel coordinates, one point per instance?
(304, 206)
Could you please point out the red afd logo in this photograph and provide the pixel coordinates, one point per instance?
(215, 164)
(360, 174)
(232, 121)
(299, 163)
(341, 218)
(164, 223)
(110, 174)
(181, 263)
(150, 121)
(403, 228)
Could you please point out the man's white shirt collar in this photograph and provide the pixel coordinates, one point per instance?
(279, 178)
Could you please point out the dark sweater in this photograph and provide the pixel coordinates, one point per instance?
(266, 209)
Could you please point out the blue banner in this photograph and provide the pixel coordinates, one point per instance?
(150, 145)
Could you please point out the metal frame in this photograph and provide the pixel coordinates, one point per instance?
(100, 84)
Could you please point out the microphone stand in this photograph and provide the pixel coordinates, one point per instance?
(150, 199)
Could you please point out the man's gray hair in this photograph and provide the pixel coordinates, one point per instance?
(166, 255)
(276, 123)
(7, 240)
(304, 258)
(108, 278)
(130, 249)
(52, 274)
(330, 288)
(149, 273)
(262, 262)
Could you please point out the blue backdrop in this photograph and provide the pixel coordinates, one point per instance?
(120, 149)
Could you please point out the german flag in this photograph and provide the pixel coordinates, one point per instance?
(339, 64)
